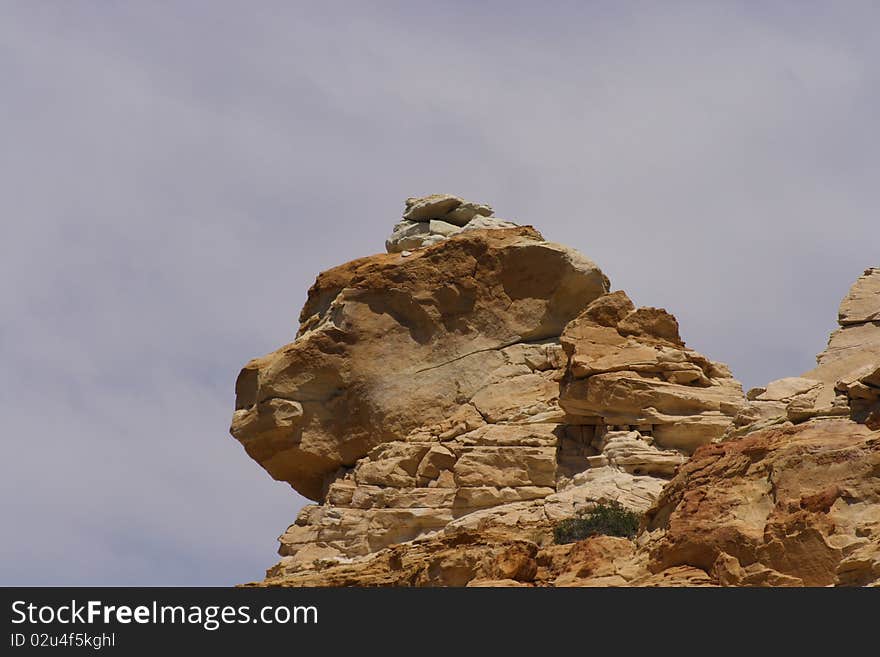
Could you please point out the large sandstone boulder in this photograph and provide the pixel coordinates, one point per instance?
(390, 343)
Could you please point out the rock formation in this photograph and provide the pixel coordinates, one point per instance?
(447, 403)
(845, 382)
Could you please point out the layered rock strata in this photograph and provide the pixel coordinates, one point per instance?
(784, 506)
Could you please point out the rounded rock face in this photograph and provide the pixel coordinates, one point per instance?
(388, 344)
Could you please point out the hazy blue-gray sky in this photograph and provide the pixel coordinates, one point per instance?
(174, 175)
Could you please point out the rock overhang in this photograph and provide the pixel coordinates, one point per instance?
(388, 342)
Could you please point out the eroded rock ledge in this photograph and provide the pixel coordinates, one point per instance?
(446, 403)
(846, 380)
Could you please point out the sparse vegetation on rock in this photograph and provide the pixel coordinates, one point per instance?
(611, 519)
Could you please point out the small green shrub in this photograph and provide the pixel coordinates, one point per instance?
(609, 519)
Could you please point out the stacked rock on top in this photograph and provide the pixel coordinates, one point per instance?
(428, 220)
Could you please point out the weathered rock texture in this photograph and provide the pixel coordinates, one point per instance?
(445, 408)
(387, 345)
(789, 506)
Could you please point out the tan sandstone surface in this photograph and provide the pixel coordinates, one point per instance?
(445, 406)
